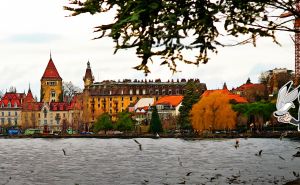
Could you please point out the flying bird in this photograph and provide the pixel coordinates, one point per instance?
(236, 143)
(295, 174)
(259, 153)
(189, 173)
(297, 154)
(140, 145)
(64, 152)
(281, 157)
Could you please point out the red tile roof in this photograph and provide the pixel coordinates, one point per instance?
(231, 96)
(15, 99)
(29, 97)
(51, 71)
(248, 86)
(170, 100)
(76, 103)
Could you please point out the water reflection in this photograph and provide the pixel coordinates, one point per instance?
(162, 161)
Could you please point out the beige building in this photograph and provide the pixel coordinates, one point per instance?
(11, 108)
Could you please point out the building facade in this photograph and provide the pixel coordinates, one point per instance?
(11, 108)
(116, 96)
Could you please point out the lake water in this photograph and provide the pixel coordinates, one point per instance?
(161, 161)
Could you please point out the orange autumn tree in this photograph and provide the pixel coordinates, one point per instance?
(213, 112)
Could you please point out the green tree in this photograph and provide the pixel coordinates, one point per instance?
(124, 122)
(155, 123)
(103, 123)
(191, 96)
(258, 110)
(168, 28)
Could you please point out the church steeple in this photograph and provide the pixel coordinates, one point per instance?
(88, 78)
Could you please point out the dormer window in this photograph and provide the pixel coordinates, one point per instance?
(16, 105)
(9, 105)
(2, 105)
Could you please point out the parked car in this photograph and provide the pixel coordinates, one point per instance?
(14, 131)
(32, 131)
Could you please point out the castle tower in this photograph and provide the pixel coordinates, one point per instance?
(51, 84)
(88, 78)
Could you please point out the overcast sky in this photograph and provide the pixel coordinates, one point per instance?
(30, 29)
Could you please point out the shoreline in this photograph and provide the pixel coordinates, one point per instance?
(291, 135)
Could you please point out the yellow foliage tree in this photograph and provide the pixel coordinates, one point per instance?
(213, 112)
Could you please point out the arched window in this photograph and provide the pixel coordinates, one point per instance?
(9, 105)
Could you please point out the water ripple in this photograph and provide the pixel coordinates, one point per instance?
(161, 161)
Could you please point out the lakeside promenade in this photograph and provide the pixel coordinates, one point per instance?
(291, 134)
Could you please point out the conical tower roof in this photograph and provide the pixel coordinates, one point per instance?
(29, 97)
(51, 71)
(88, 72)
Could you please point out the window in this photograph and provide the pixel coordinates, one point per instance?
(53, 94)
(16, 114)
(9, 120)
(110, 92)
(15, 105)
(110, 99)
(144, 91)
(170, 91)
(45, 112)
(2, 121)
(177, 91)
(51, 83)
(45, 122)
(130, 98)
(39, 115)
(2, 105)
(9, 105)
(130, 91)
(137, 91)
(51, 122)
(16, 121)
(2, 113)
(64, 114)
(157, 92)
(8, 113)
